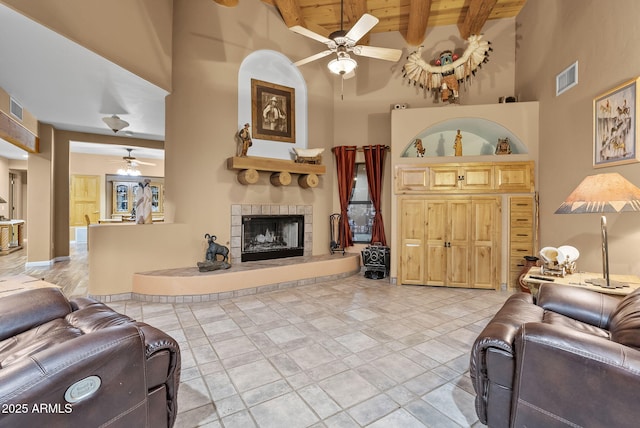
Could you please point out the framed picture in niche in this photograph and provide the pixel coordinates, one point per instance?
(615, 126)
(273, 111)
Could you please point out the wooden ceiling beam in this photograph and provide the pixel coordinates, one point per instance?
(290, 12)
(228, 3)
(418, 16)
(475, 17)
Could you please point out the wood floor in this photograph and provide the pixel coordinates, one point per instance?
(72, 275)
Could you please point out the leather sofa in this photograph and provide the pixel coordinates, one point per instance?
(570, 358)
(79, 363)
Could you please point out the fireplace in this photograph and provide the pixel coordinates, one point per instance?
(267, 237)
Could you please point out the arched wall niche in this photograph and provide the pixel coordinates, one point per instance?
(479, 138)
(272, 67)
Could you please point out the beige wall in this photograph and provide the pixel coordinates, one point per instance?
(135, 34)
(602, 37)
(40, 200)
(210, 43)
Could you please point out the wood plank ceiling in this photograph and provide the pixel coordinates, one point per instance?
(410, 17)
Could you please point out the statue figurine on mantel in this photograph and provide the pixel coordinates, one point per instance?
(211, 255)
(245, 139)
(457, 146)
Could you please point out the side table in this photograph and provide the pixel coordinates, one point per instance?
(534, 278)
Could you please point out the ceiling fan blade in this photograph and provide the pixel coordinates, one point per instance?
(386, 54)
(139, 162)
(308, 33)
(312, 58)
(362, 27)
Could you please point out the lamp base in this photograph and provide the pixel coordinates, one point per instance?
(602, 282)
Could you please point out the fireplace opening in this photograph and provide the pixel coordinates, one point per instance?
(267, 237)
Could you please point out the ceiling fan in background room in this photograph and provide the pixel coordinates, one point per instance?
(130, 165)
(343, 43)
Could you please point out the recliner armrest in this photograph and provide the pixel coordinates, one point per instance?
(573, 377)
(578, 303)
(116, 355)
(492, 363)
(22, 311)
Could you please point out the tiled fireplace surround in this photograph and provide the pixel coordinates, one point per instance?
(238, 210)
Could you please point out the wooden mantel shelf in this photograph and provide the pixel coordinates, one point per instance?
(281, 170)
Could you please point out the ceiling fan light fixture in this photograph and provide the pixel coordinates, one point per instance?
(115, 123)
(130, 170)
(343, 64)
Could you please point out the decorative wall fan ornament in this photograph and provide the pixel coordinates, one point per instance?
(344, 43)
(448, 71)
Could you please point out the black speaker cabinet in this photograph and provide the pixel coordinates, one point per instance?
(376, 259)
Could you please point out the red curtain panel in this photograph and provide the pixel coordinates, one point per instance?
(374, 161)
(345, 164)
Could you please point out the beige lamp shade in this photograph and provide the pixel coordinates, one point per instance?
(602, 193)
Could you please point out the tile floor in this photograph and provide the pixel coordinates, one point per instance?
(349, 353)
(353, 352)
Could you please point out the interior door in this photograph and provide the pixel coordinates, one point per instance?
(84, 199)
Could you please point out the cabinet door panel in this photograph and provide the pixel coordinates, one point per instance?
(459, 221)
(458, 265)
(436, 235)
(436, 262)
(483, 263)
(412, 220)
(485, 257)
(412, 228)
(412, 178)
(514, 177)
(412, 262)
(477, 178)
(443, 178)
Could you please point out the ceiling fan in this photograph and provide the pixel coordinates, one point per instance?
(342, 43)
(131, 160)
(131, 163)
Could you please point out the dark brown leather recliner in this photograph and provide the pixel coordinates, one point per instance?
(572, 358)
(79, 363)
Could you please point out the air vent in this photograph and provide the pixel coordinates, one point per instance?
(16, 109)
(567, 79)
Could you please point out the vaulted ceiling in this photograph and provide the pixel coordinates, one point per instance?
(410, 17)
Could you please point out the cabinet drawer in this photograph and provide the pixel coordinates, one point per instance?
(521, 249)
(517, 204)
(521, 220)
(521, 234)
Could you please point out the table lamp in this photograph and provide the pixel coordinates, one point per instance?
(603, 193)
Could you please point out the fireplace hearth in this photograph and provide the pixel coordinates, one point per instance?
(267, 237)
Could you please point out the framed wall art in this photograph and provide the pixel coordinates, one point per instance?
(273, 111)
(615, 126)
